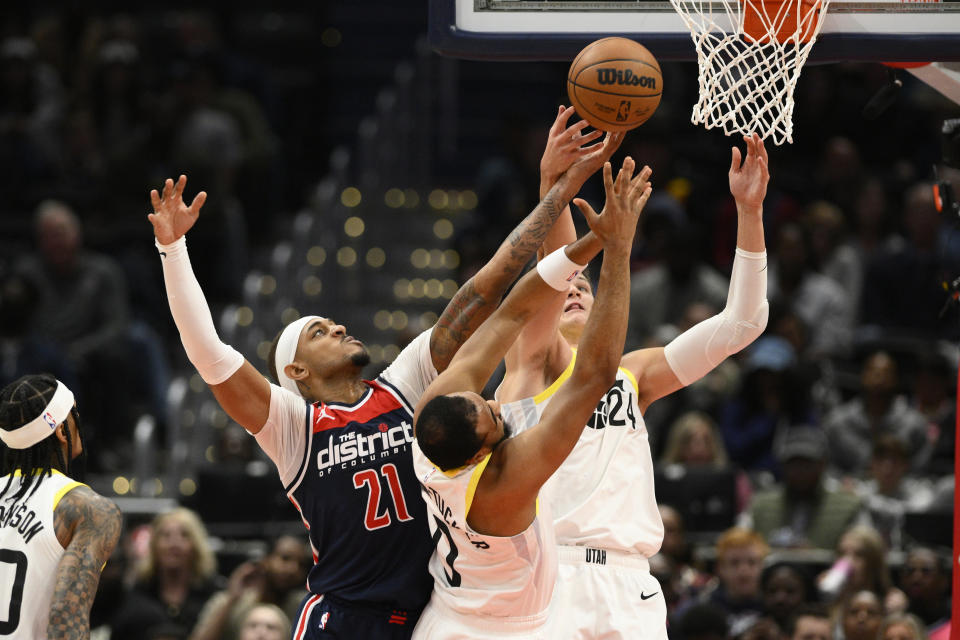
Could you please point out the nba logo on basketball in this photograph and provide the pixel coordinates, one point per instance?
(624, 111)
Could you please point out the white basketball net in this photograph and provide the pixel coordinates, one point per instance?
(746, 84)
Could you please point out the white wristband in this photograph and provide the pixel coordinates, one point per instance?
(557, 270)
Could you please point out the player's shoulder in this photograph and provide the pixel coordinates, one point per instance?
(81, 505)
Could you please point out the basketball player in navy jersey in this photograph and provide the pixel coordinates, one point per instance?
(605, 512)
(342, 444)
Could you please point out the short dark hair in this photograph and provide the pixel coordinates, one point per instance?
(809, 610)
(801, 572)
(446, 431)
(20, 402)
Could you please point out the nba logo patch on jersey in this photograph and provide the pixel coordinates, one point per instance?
(324, 619)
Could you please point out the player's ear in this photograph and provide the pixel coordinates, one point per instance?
(478, 456)
(61, 432)
(295, 371)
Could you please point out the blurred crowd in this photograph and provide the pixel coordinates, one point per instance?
(828, 443)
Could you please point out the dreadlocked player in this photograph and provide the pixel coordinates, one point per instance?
(55, 533)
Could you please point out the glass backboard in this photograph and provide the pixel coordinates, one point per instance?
(879, 30)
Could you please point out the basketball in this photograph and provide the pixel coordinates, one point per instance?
(615, 84)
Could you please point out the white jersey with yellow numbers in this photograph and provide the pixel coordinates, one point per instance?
(602, 496)
(497, 581)
(29, 556)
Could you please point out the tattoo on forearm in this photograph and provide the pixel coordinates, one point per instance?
(470, 306)
(95, 523)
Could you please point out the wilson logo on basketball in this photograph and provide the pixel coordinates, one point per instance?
(625, 77)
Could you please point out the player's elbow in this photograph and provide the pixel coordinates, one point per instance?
(746, 331)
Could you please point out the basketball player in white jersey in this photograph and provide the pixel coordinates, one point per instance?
(602, 498)
(494, 565)
(55, 533)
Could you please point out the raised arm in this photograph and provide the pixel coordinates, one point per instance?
(695, 352)
(88, 527)
(476, 361)
(239, 388)
(535, 454)
(479, 296)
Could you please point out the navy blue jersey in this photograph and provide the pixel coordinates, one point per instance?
(360, 500)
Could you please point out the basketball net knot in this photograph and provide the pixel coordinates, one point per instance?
(749, 54)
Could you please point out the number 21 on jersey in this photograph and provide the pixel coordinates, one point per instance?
(369, 478)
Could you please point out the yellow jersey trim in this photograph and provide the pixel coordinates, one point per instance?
(633, 380)
(474, 480)
(64, 491)
(552, 389)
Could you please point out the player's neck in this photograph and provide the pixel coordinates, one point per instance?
(340, 390)
(572, 335)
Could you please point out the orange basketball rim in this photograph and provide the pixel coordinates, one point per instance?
(787, 20)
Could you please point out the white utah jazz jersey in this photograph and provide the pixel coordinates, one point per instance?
(602, 496)
(480, 575)
(29, 556)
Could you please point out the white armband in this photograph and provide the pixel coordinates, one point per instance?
(214, 360)
(702, 347)
(557, 270)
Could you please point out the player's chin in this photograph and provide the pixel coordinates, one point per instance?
(362, 357)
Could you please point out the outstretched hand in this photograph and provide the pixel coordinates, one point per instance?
(171, 217)
(748, 181)
(565, 145)
(597, 154)
(626, 198)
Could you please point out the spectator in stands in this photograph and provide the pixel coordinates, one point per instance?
(175, 581)
(925, 578)
(878, 409)
(703, 621)
(662, 292)
(785, 587)
(83, 309)
(664, 569)
(31, 106)
(694, 441)
(276, 580)
(866, 556)
(21, 349)
(771, 395)
(810, 622)
(803, 512)
(740, 555)
(934, 396)
(901, 626)
(675, 546)
(902, 291)
(265, 622)
(890, 493)
(831, 254)
(827, 311)
(861, 616)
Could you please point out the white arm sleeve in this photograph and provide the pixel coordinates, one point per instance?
(284, 435)
(703, 346)
(214, 360)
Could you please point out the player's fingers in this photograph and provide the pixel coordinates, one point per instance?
(180, 186)
(586, 210)
(607, 177)
(556, 127)
(590, 136)
(167, 188)
(762, 149)
(197, 203)
(735, 160)
(154, 199)
(642, 177)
